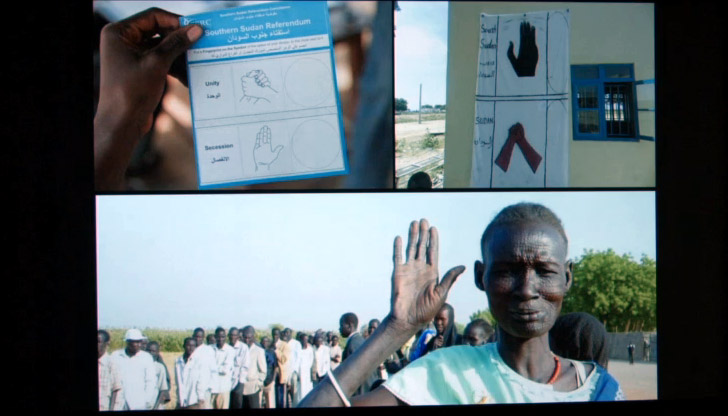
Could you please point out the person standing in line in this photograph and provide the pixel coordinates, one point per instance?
(294, 380)
(109, 376)
(347, 327)
(630, 352)
(137, 373)
(322, 358)
(380, 373)
(192, 377)
(162, 376)
(477, 332)
(224, 361)
(205, 354)
(335, 350)
(423, 336)
(580, 336)
(240, 368)
(276, 334)
(284, 355)
(646, 349)
(256, 371)
(447, 334)
(305, 369)
(269, 393)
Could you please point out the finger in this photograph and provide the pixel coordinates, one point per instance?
(448, 280)
(397, 256)
(510, 54)
(278, 149)
(424, 237)
(179, 69)
(433, 248)
(412, 241)
(146, 24)
(175, 43)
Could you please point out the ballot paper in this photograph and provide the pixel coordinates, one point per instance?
(264, 98)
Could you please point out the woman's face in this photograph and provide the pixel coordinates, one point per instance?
(526, 277)
(441, 321)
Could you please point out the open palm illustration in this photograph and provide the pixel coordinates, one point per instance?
(256, 87)
(263, 153)
(525, 64)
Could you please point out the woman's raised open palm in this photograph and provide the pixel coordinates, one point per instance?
(416, 293)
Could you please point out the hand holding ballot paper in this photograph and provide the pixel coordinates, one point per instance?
(260, 72)
(134, 66)
(253, 72)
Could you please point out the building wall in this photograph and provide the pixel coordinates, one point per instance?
(618, 343)
(601, 33)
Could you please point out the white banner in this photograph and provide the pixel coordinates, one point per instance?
(521, 101)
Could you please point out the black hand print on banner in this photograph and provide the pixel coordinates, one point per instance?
(525, 64)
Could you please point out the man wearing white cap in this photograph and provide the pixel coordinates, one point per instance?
(137, 373)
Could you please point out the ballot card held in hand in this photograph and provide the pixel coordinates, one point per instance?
(264, 98)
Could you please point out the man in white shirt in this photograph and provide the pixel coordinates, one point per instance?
(335, 352)
(205, 354)
(257, 369)
(222, 380)
(240, 368)
(162, 377)
(322, 357)
(193, 379)
(306, 360)
(138, 374)
(295, 364)
(109, 377)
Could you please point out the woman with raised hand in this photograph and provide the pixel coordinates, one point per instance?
(525, 275)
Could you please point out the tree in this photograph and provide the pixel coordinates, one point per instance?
(485, 315)
(618, 290)
(400, 104)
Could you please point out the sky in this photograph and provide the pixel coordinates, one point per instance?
(420, 52)
(302, 260)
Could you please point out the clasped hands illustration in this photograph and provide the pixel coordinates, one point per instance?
(256, 87)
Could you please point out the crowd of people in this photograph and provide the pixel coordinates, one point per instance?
(415, 355)
(224, 370)
(230, 369)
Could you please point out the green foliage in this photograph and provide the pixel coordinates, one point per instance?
(400, 104)
(169, 340)
(485, 315)
(618, 290)
(430, 141)
(400, 145)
